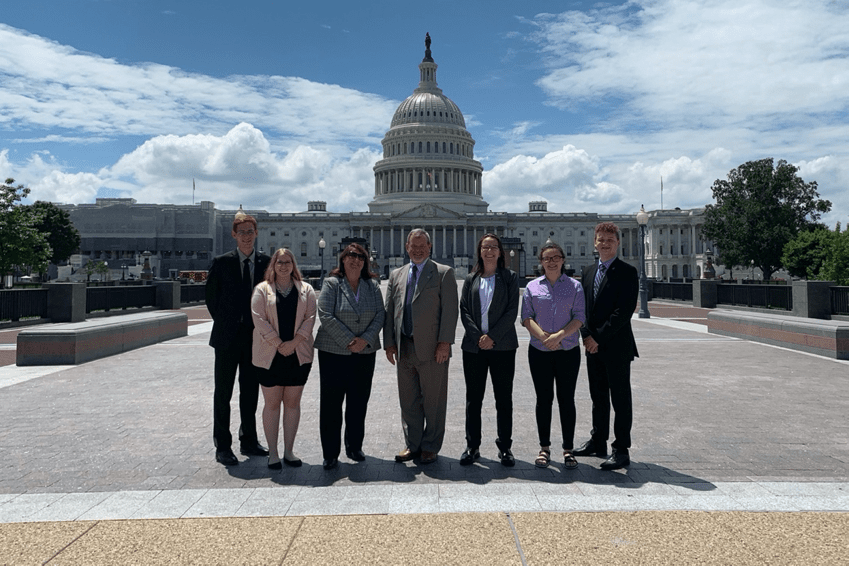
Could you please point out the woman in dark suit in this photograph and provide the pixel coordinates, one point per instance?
(489, 305)
(351, 311)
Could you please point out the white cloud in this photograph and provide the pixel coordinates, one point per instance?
(107, 98)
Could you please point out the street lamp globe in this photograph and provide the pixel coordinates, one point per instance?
(321, 245)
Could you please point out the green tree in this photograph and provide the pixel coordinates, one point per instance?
(21, 243)
(92, 267)
(759, 208)
(835, 267)
(805, 254)
(55, 224)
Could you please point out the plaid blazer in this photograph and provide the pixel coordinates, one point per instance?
(343, 318)
(266, 327)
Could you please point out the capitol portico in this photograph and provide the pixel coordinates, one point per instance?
(427, 178)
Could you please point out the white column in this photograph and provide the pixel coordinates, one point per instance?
(391, 240)
(444, 238)
(455, 240)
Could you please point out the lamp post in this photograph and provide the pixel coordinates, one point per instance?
(512, 257)
(123, 272)
(752, 263)
(321, 246)
(643, 220)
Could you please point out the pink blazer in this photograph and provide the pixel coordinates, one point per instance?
(266, 337)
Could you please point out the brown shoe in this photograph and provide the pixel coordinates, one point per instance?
(427, 457)
(406, 455)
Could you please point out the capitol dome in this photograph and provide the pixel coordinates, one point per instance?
(428, 155)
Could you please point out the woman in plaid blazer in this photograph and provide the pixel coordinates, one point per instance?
(351, 311)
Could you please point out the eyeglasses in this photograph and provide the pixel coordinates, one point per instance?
(488, 248)
(245, 233)
(552, 259)
(281, 262)
(354, 255)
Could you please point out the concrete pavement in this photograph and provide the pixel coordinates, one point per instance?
(724, 430)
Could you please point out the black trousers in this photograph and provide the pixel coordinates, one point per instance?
(348, 379)
(501, 365)
(558, 367)
(227, 361)
(610, 383)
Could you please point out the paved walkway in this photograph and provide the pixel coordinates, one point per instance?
(723, 430)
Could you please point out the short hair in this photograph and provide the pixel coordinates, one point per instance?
(416, 232)
(549, 245)
(241, 218)
(365, 272)
(479, 264)
(608, 228)
(271, 274)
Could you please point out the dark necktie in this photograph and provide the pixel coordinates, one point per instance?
(599, 275)
(247, 286)
(408, 304)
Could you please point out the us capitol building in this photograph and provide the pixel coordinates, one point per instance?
(428, 178)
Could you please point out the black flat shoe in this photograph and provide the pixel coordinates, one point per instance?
(507, 458)
(330, 463)
(590, 448)
(469, 456)
(293, 463)
(275, 466)
(226, 457)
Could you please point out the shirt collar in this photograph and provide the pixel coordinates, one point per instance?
(607, 263)
(419, 265)
(243, 257)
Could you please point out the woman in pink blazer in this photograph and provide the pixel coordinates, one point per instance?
(283, 309)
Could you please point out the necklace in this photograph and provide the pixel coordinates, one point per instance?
(284, 291)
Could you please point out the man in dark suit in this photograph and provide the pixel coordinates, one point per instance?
(232, 278)
(610, 290)
(421, 317)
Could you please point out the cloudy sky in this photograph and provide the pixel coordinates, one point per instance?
(271, 104)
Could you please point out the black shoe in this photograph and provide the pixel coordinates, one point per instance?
(469, 456)
(226, 457)
(590, 448)
(355, 455)
(297, 463)
(253, 450)
(275, 466)
(619, 459)
(507, 458)
(330, 463)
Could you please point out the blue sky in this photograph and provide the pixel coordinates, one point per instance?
(272, 104)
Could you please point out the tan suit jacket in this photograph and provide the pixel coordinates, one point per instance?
(435, 308)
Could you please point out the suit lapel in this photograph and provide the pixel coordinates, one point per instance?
(349, 293)
(476, 300)
(424, 278)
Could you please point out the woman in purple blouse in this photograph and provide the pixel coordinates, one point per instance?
(553, 311)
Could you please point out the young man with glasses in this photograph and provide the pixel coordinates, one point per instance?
(232, 278)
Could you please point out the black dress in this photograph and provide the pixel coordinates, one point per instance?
(285, 370)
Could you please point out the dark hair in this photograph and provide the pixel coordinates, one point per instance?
(549, 245)
(354, 248)
(479, 264)
(271, 275)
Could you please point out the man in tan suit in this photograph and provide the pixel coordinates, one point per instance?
(421, 317)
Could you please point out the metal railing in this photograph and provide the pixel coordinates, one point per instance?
(16, 304)
(192, 293)
(839, 300)
(672, 291)
(113, 298)
(778, 297)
